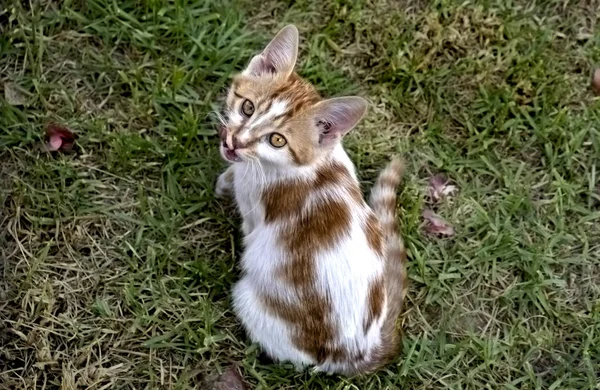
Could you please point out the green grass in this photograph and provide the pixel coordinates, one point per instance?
(117, 261)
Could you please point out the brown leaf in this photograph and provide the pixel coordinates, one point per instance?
(59, 138)
(228, 380)
(14, 95)
(439, 188)
(596, 81)
(437, 225)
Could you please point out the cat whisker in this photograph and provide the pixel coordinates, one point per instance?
(251, 160)
(262, 172)
(245, 172)
(220, 117)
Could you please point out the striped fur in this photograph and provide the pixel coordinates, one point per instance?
(383, 202)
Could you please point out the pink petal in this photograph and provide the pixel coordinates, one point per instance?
(436, 224)
(55, 143)
(439, 187)
(61, 131)
(59, 138)
(438, 181)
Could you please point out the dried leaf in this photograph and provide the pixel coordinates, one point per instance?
(13, 95)
(439, 188)
(228, 380)
(59, 138)
(437, 225)
(596, 81)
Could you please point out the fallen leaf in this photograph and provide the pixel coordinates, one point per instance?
(13, 95)
(59, 138)
(439, 187)
(596, 81)
(228, 380)
(437, 225)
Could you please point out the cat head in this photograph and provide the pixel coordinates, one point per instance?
(276, 117)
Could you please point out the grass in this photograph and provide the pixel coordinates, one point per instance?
(117, 261)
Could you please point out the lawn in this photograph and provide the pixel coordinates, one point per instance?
(116, 261)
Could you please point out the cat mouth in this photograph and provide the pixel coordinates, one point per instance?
(231, 155)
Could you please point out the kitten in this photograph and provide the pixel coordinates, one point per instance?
(324, 274)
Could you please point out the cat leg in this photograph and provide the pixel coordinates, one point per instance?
(224, 185)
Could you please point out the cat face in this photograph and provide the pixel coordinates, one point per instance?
(275, 117)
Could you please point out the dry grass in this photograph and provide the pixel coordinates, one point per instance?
(117, 261)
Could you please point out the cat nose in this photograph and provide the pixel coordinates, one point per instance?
(225, 137)
(231, 142)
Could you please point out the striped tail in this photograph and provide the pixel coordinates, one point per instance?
(383, 202)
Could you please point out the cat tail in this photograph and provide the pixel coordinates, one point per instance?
(383, 202)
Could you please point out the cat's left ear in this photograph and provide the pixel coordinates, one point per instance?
(279, 56)
(335, 117)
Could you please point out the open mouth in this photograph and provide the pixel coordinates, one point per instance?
(231, 155)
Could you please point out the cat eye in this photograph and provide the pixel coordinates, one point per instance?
(247, 108)
(277, 140)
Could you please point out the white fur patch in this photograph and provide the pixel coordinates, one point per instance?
(235, 118)
(278, 108)
(343, 273)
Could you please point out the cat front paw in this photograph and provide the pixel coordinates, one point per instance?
(224, 187)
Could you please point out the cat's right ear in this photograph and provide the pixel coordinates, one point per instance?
(279, 56)
(335, 117)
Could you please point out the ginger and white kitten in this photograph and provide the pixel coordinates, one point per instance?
(324, 273)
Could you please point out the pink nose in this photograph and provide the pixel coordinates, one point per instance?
(224, 138)
(230, 143)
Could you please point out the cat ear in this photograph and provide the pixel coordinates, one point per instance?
(336, 117)
(279, 56)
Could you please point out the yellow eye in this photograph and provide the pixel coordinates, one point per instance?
(277, 140)
(247, 108)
